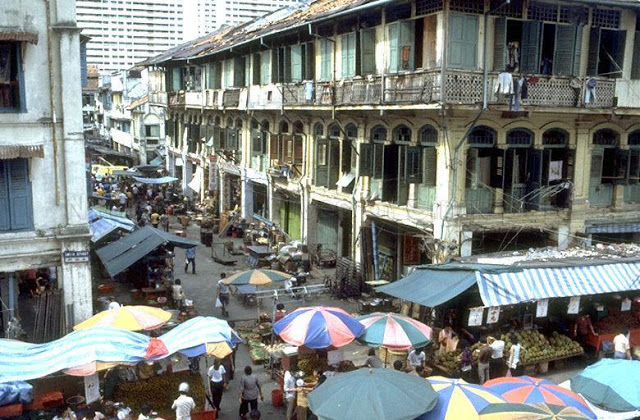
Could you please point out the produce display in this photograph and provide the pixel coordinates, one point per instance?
(451, 361)
(253, 338)
(312, 362)
(160, 391)
(538, 348)
(613, 323)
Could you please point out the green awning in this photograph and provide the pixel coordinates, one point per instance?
(122, 254)
(431, 286)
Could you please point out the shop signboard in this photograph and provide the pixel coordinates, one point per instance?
(542, 308)
(574, 305)
(625, 305)
(75, 256)
(475, 317)
(493, 314)
(92, 388)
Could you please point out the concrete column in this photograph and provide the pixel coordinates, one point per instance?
(187, 173)
(358, 221)
(271, 209)
(312, 237)
(223, 190)
(74, 280)
(247, 196)
(466, 243)
(563, 237)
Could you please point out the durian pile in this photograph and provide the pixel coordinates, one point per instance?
(538, 348)
(450, 361)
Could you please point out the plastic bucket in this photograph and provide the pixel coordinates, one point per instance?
(277, 398)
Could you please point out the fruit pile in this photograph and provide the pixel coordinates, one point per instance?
(538, 348)
(312, 362)
(450, 361)
(612, 324)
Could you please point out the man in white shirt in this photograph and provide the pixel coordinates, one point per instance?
(290, 390)
(416, 358)
(222, 293)
(621, 347)
(497, 352)
(183, 404)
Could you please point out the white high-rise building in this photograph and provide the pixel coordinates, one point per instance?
(125, 32)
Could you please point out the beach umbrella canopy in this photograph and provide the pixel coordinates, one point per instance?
(318, 327)
(372, 394)
(393, 331)
(201, 335)
(458, 399)
(256, 277)
(611, 384)
(525, 389)
(132, 318)
(515, 411)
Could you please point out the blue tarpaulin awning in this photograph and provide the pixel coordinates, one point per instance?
(161, 180)
(102, 222)
(614, 228)
(122, 254)
(431, 285)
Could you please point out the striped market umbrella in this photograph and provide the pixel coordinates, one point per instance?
(132, 318)
(256, 277)
(201, 335)
(318, 327)
(525, 389)
(514, 411)
(458, 399)
(393, 331)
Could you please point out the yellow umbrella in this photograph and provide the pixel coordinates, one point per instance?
(256, 277)
(132, 318)
(219, 350)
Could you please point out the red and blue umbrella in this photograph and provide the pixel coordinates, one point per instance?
(528, 390)
(318, 327)
(394, 331)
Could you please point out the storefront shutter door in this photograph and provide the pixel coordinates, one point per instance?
(393, 48)
(327, 229)
(500, 44)
(595, 174)
(20, 194)
(498, 166)
(296, 63)
(594, 52)
(4, 196)
(366, 159)
(565, 52)
(368, 51)
(635, 68)
(530, 54)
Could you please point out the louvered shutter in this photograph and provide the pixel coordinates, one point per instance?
(296, 63)
(366, 159)
(472, 168)
(20, 194)
(594, 52)
(238, 71)
(567, 47)
(618, 51)
(368, 51)
(393, 48)
(430, 166)
(274, 143)
(413, 165)
(406, 48)
(635, 67)
(500, 44)
(530, 52)
(4, 196)
(309, 59)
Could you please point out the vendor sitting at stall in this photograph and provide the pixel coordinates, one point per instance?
(374, 361)
(417, 357)
(280, 312)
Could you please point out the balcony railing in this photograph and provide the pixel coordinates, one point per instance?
(158, 98)
(194, 99)
(212, 97)
(418, 87)
(359, 91)
(176, 99)
(231, 97)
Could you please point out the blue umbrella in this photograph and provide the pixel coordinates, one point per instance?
(611, 384)
(372, 394)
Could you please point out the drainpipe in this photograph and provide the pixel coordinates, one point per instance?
(52, 104)
(485, 56)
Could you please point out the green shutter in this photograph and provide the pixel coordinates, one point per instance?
(430, 166)
(296, 63)
(276, 56)
(176, 80)
(635, 68)
(530, 51)
(500, 44)
(322, 163)
(247, 70)
(238, 71)
(577, 51)
(594, 52)
(228, 73)
(326, 53)
(309, 59)
(21, 216)
(287, 65)
(368, 51)
(257, 69)
(366, 159)
(472, 168)
(463, 41)
(595, 174)
(265, 67)
(406, 47)
(567, 50)
(4, 196)
(413, 165)
(348, 55)
(378, 160)
(393, 48)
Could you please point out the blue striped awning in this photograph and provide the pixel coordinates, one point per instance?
(529, 284)
(615, 228)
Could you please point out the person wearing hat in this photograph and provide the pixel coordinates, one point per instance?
(184, 403)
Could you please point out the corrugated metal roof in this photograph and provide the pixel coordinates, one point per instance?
(21, 151)
(13, 35)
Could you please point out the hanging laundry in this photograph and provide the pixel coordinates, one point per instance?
(308, 91)
(524, 88)
(590, 91)
(505, 84)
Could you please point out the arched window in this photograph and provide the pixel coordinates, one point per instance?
(229, 122)
(318, 129)
(264, 125)
(606, 137)
(555, 137)
(428, 135)
(298, 127)
(255, 125)
(352, 131)
(334, 131)
(520, 137)
(379, 134)
(482, 136)
(402, 134)
(634, 139)
(238, 123)
(284, 127)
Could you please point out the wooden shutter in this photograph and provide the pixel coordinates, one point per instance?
(348, 55)
(406, 45)
(463, 41)
(497, 168)
(274, 143)
(393, 48)
(618, 51)
(265, 67)
(296, 63)
(366, 159)
(5, 223)
(176, 79)
(530, 51)
(247, 70)
(633, 176)
(20, 194)
(326, 52)
(430, 166)
(257, 68)
(594, 52)
(256, 143)
(322, 163)
(595, 174)
(500, 44)
(472, 168)
(276, 65)
(309, 58)
(297, 149)
(378, 160)
(622, 165)
(368, 51)
(413, 165)
(567, 50)
(238, 71)
(286, 70)
(635, 65)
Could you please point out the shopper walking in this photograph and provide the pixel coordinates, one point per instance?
(184, 403)
(222, 294)
(290, 390)
(250, 390)
(191, 259)
(218, 382)
(484, 357)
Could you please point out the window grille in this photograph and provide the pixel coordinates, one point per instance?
(402, 134)
(482, 137)
(429, 135)
(634, 139)
(379, 133)
(606, 18)
(512, 10)
(425, 7)
(318, 130)
(352, 131)
(520, 138)
(543, 11)
(555, 137)
(467, 6)
(575, 15)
